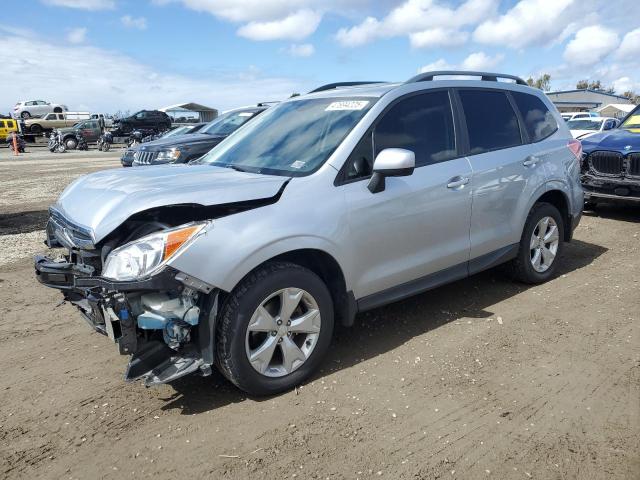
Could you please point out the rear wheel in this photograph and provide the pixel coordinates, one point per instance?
(274, 329)
(57, 110)
(36, 129)
(25, 115)
(540, 246)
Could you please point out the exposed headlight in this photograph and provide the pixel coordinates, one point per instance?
(168, 155)
(145, 256)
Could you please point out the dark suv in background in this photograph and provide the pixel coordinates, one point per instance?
(184, 148)
(144, 120)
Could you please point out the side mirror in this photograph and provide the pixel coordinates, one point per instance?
(391, 162)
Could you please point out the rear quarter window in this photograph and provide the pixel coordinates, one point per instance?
(539, 122)
(492, 124)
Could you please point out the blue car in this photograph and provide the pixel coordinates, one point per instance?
(611, 163)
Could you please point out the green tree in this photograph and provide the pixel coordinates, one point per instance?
(543, 82)
(631, 95)
(595, 85)
(582, 84)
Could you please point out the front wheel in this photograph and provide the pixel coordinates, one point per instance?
(274, 329)
(540, 246)
(61, 148)
(106, 146)
(25, 115)
(70, 143)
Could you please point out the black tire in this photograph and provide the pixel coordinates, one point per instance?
(106, 146)
(25, 115)
(237, 310)
(36, 129)
(70, 143)
(57, 110)
(521, 266)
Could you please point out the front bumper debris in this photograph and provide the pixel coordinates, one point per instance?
(155, 320)
(622, 188)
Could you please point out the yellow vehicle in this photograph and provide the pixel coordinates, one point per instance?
(7, 125)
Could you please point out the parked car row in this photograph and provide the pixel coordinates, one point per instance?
(317, 208)
(583, 127)
(183, 148)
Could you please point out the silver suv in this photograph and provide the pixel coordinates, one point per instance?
(326, 205)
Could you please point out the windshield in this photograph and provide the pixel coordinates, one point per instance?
(584, 124)
(228, 123)
(293, 138)
(176, 131)
(632, 122)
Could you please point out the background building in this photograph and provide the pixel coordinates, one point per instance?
(190, 113)
(616, 110)
(584, 100)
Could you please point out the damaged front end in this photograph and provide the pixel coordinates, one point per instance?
(161, 317)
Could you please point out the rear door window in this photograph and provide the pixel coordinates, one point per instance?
(2, 125)
(538, 120)
(421, 123)
(492, 123)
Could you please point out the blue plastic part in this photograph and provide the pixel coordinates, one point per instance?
(124, 314)
(151, 321)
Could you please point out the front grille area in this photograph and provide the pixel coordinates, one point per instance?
(607, 163)
(634, 164)
(144, 158)
(68, 234)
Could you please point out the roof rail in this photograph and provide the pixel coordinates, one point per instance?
(331, 86)
(485, 76)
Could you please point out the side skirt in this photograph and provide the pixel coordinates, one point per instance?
(437, 279)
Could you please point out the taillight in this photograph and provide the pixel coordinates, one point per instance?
(576, 148)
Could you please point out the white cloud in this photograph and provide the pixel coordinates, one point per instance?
(625, 84)
(475, 61)
(83, 4)
(415, 16)
(296, 26)
(481, 61)
(528, 22)
(108, 81)
(440, 64)
(134, 22)
(438, 37)
(301, 50)
(630, 46)
(590, 45)
(77, 35)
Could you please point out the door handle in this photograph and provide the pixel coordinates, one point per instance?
(530, 161)
(457, 182)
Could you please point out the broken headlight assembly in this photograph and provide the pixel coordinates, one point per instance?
(145, 256)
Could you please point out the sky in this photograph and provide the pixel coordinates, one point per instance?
(119, 55)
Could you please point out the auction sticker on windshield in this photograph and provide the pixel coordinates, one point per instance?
(347, 105)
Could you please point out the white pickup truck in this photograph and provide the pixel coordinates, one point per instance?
(108, 120)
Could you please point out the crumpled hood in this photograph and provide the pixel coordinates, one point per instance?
(102, 201)
(619, 140)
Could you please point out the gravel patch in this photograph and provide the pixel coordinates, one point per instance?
(20, 246)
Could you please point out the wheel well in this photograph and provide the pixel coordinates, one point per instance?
(328, 269)
(559, 200)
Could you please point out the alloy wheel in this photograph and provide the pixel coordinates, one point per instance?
(282, 332)
(544, 244)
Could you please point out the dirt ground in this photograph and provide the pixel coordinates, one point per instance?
(483, 378)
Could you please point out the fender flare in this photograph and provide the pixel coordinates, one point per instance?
(277, 248)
